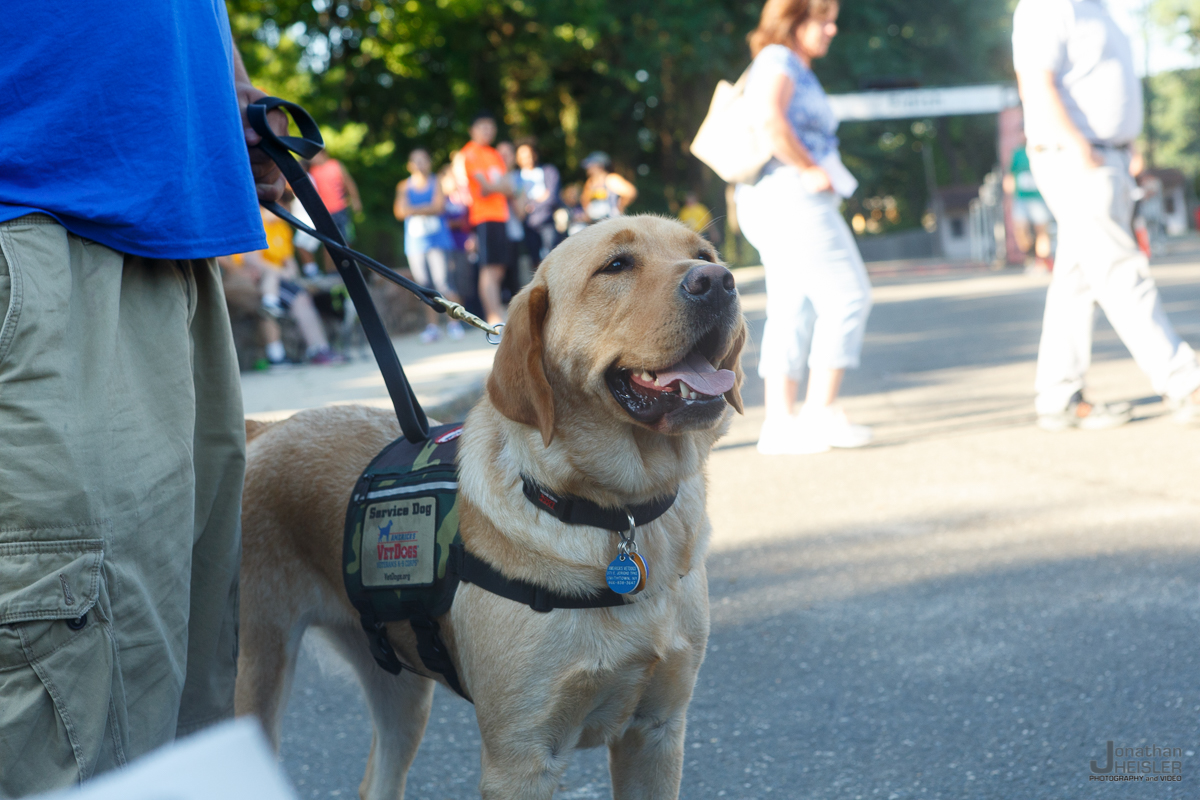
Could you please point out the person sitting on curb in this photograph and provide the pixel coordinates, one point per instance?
(287, 298)
(274, 271)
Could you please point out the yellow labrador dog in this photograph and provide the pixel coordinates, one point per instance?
(612, 383)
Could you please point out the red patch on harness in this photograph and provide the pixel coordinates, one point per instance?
(546, 500)
(449, 436)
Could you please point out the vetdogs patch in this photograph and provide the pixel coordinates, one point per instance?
(398, 542)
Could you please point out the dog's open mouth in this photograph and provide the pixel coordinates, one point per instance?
(692, 384)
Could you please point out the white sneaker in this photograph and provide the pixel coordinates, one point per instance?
(828, 424)
(454, 330)
(781, 436)
(430, 335)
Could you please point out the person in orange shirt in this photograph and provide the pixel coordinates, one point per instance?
(490, 188)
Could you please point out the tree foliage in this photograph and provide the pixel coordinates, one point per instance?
(1179, 16)
(1175, 96)
(1175, 114)
(631, 78)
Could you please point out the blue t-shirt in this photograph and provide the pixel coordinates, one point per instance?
(809, 113)
(423, 232)
(121, 121)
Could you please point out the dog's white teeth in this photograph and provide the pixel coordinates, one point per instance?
(646, 376)
(686, 392)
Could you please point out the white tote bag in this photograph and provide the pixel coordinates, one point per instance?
(731, 139)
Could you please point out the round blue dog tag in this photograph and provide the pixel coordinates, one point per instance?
(624, 575)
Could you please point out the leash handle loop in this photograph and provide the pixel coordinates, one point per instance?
(308, 144)
(409, 413)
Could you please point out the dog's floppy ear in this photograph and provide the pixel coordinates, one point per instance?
(517, 386)
(733, 361)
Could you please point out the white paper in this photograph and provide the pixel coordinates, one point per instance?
(231, 761)
(844, 184)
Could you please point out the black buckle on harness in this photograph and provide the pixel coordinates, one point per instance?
(381, 648)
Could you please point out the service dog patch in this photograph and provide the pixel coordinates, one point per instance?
(398, 543)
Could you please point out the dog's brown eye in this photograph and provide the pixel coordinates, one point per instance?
(705, 256)
(618, 265)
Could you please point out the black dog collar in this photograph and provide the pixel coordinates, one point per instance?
(579, 511)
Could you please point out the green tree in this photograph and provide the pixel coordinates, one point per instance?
(1179, 16)
(1175, 113)
(622, 76)
(1175, 96)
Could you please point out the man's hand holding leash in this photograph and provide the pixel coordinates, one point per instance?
(268, 180)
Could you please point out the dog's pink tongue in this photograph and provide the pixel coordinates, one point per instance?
(700, 375)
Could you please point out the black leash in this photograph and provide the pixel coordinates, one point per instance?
(280, 148)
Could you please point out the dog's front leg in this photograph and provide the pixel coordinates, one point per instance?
(646, 761)
(524, 770)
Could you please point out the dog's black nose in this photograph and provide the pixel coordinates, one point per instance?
(710, 280)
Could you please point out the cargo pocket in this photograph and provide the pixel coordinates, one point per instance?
(58, 719)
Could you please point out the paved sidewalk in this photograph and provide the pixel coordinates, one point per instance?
(968, 608)
(441, 373)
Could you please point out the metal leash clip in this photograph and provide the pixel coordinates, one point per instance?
(456, 311)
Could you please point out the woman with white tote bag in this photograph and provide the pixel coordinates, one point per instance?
(818, 294)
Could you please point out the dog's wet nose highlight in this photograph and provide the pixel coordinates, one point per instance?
(703, 280)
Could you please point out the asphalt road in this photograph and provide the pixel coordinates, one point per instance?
(969, 608)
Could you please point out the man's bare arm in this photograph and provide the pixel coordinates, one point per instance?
(268, 180)
(1040, 96)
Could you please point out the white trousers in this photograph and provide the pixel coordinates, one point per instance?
(1098, 261)
(430, 269)
(818, 293)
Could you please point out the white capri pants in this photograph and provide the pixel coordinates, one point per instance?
(818, 294)
(430, 269)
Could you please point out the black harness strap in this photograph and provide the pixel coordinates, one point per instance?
(430, 648)
(475, 570)
(433, 653)
(579, 511)
(381, 647)
(308, 144)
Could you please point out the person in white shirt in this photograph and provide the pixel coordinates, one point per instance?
(1083, 110)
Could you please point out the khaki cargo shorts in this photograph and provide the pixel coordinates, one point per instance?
(122, 451)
